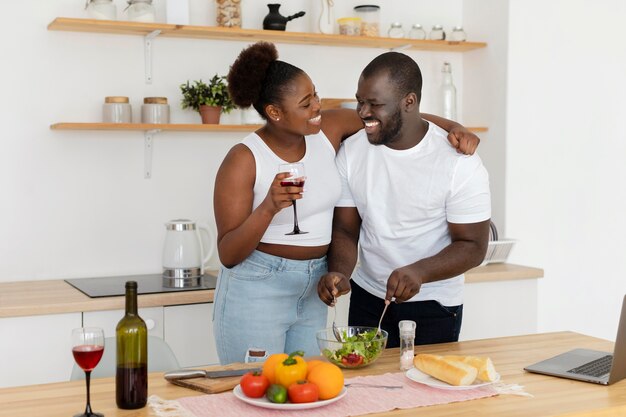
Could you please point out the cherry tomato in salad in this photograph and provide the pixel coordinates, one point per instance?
(303, 392)
(352, 359)
(254, 384)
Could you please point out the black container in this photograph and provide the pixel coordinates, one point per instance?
(275, 21)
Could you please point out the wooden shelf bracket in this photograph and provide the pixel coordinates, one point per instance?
(147, 47)
(148, 145)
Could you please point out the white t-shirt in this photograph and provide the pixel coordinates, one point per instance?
(321, 191)
(405, 199)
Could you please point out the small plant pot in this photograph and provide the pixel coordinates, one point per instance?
(210, 114)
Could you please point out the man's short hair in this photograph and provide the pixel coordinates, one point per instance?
(403, 71)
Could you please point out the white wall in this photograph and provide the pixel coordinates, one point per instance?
(75, 204)
(565, 197)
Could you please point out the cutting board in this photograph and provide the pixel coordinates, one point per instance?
(215, 385)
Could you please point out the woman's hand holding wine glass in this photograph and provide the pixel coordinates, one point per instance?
(293, 184)
(87, 348)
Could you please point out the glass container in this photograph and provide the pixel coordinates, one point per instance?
(417, 32)
(370, 19)
(141, 11)
(396, 31)
(437, 33)
(448, 93)
(407, 343)
(116, 110)
(458, 34)
(229, 13)
(101, 9)
(350, 26)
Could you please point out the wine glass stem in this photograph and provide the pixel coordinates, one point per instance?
(87, 381)
(296, 229)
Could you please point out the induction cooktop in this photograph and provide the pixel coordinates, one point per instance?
(146, 284)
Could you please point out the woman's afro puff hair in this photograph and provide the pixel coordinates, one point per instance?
(248, 72)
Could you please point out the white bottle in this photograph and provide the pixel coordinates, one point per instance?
(407, 343)
(448, 93)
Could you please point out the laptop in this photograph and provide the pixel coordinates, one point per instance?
(589, 365)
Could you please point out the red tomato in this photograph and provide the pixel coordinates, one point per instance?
(303, 392)
(352, 359)
(254, 384)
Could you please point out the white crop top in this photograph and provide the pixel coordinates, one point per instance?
(321, 191)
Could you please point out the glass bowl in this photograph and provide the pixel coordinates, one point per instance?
(360, 347)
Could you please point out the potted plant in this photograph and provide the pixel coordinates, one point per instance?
(209, 100)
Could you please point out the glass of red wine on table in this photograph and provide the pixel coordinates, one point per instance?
(87, 348)
(295, 179)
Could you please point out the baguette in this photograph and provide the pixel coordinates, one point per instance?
(484, 365)
(450, 371)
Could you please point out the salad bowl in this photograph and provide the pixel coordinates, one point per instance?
(360, 346)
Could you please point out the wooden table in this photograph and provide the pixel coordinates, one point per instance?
(552, 396)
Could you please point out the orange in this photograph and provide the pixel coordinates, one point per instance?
(312, 364)
(328, 378)
(269, 367)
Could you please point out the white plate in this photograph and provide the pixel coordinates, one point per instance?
(265, 403)
(422, 378)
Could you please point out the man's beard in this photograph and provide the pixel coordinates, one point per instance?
(390, 132)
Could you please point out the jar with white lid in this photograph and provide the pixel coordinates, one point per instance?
(101, 9)
(417, 32)
(155, 110)
(141, 11)
(458, 34)
(437, 33)
(370, 19)
(116, 109)
(396, 31)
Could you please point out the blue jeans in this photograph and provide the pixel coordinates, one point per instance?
(269, 303)
(436, 323)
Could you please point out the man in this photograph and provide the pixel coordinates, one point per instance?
(418, 210)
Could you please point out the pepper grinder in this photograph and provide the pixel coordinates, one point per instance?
(407, 344)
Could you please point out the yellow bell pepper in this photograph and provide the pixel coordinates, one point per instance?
(291, 370)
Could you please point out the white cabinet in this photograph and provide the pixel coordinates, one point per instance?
(188, 329)
(36, 349)
(153, 316)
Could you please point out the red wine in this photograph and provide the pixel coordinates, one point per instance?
(296, 183)
(87, 356)
(131, 386)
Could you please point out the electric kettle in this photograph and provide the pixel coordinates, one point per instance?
(184, 254)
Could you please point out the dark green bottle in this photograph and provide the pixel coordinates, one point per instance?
(131, 377)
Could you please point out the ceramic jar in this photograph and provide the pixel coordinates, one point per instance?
(155, 110)
(116, 110)
(141, 11)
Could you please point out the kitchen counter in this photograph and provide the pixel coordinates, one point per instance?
(31, 298)
(552, 396)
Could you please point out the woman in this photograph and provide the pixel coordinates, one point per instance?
(266, 296)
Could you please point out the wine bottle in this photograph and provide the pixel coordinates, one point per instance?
(448, 93)
(131, 377)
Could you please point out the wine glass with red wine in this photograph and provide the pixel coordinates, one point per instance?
(87, 348)
(295, 179)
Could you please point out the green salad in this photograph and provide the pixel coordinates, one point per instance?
(357, 350)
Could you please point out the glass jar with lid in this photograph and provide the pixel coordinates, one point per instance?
(437, 33)
(141, 11)
(370, 19)
(458, 34)
(101, 9)
(229, 13)
(396, 31)
(417, 32)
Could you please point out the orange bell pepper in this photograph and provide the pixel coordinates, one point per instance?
(291, 370)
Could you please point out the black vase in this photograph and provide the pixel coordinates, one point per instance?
(275, 21)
